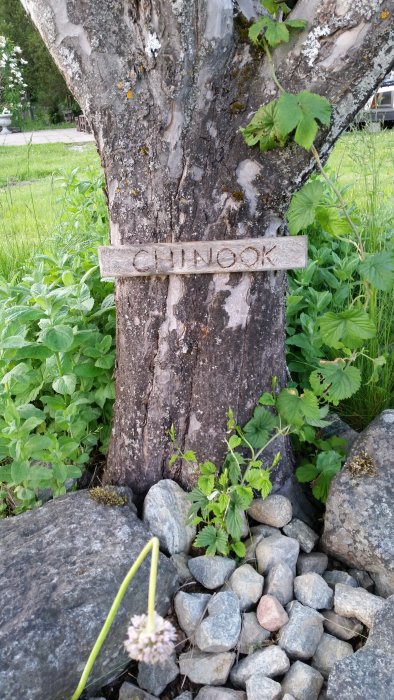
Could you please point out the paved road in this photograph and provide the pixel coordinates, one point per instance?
(48, 136)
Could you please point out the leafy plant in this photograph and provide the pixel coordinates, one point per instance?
(56, 361)
(222, 496)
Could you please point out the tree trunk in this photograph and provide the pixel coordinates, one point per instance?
(166, 85)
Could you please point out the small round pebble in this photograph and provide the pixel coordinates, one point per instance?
(271, 614)
(275, 510)
(312, 590)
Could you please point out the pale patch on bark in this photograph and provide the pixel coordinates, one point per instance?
(237, 302)
(273, 225)
(246, 173)
(174, 296)
(172, 136)
(115, 235)
(347, 41)
(219, 19)
(194, 426)
(66, 29)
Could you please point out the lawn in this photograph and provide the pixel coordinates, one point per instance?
(31, 195)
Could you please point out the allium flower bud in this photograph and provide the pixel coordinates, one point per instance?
(151, 646)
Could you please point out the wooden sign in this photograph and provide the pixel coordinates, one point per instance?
(202, 257)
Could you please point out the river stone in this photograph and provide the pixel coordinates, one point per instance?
(311, 589)
(274, 510)
(277, 549)
(209, 693)
(206, 669)
(211, 572)
(264, 530)
(190, 609)
(300, 637)
(359, 520)
(129, 691)
(270, 613)
(61, 566)
(221, 629)
(259, 687)
(250, 547)
(180, 561)
(302, 533)
(253, 635)
(155, 677)
(271, 661)
(368, 673)
(363, 579)
(303, 682)
(328, 652)
(315, 562)
(187, 695)
(165, 513)
(334, 577)
(247, 584)
(279, 583)
(357, 602)
(342, 627)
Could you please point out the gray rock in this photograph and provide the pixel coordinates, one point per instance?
(247, 584)
(302, 533)
(300, 637)
(275, 510)
(342, 627)
(277, 549)
(187, 695)
(180, 562)
(357, 602)
(316, 562)
(264, 530)
(359, 520)
(221, 629)
(77, 553)
(252, 635)
(311, 589)
(206, 669)
(338, 428)
(208, 693)
(279, 583)
(155, 677)
(250, 545)
(270, 662)
(303, 682)
(211, 572)
(363, 579)
(128, 691)
(259, 687)
(328, 652)
(288, 697)
(368, 673)
(165, 512)
(190, 609)
(334, 577)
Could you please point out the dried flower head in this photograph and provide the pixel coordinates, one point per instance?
(153, 646)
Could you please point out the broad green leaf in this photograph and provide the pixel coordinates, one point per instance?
(300, 112)
(296, 23)
(378, 269)
(86, 370)
(346, 328)
(321, 487)
(25, 494)
(208, 468)
(30, 411)
(306, 132)
(239, 549)
(234, 521)
(206, 484)
(337, 380)
(232, 468)
(59, 472)
(14, 342)
(22, 314)
(302, 210)
(198, 501)
(65, 384)
(234, 441)
(315, 106)
(5, 473)
(288, 113)
(256, 28)
(37, 443)
(58, 338)
(33, 352)
(242, 497)
(276, 33)
(263, 129)
(258, 428)
(329, 462)
(267, 399)
(106, 362)
(274, 5)
(68, 278)
(19, 471)
(213, 539)
(306, 472)
(190, 456)
(332, 220)
(73, 472)
(296, 410)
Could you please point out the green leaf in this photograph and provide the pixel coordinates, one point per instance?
(68, 278)
(301, 112)
(255, 29)
(73, 472)
(274, 5)
(306, 132)
(208, 468)
(190, 456)
(65, 384)
(267, 399)
(213, 539)
(13, 342)
(302, 210)
(296, 410)
(58, 338)
(321, 487)
(206, 484)
(106, 362)
(306, 472)
(288, 113)
(315, 106)
(296, 23)
(378, 269)
(337, 380)
(347, 328)
(258, 428)
(19, 471)
(234, 441)
(239, 549)
(86, 370)
(198, 500)
(242, 497)
(59, 472)
(233, 468)
(276, 33)
(234, 521)
(263, 129)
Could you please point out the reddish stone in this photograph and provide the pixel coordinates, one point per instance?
(271, 614)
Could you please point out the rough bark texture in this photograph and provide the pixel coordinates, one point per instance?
(166, 85)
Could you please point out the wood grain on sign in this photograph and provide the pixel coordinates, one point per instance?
(248, 255)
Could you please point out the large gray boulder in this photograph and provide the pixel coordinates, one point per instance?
(368, 673)
(60, 568)
(359, 521)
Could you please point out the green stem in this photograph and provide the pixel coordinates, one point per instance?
(153, 545)
(272, 65)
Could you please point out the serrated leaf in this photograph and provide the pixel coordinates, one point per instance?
(233, 469)
(315, 106)
(306, 132)
(242, 497)
(239, 549)
(304, 203)
(267, 399)
(296, 23)
(234, 441)
(378, 269)
(337, 380)
(346, 328)
(257, 478)
(274, 5)
(276, 33)
(234, 521)
(206, 483)
(296, 410)
(65, 384)
(58, 338)
(306, 472)
(300, 112)
(263, 129)
(288, 113)
(321, 487)
(213, 539)
(258, 428)
(255, 29)
(190, 456)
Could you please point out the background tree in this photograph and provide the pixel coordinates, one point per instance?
(166, 85)
(46, 86)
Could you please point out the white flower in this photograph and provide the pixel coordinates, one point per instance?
(17, 49)
(151, 646)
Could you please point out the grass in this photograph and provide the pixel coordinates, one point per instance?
(31, 196)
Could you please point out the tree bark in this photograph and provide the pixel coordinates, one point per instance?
(166, 85)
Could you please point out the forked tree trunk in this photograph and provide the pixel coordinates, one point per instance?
(166, 85)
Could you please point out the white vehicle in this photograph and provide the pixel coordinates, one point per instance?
(380, 107)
